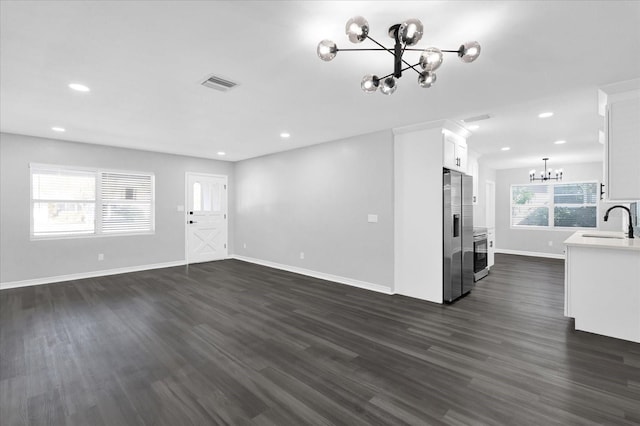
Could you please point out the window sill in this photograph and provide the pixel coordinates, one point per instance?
(551, 228)
(86, 236)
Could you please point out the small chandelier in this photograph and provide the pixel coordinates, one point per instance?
(405, 34)
(546, 175)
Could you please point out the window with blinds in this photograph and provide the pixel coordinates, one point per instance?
(71, 202)
(575, 205)
(559, 205)
(63, 202)
(530, 205)
(127, 202)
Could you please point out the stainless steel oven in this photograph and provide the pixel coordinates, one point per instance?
(480, 269)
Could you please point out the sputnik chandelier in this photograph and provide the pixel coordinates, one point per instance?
(546, 175)
(405, 34)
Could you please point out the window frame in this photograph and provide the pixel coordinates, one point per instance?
(550, 224)
(97, 231)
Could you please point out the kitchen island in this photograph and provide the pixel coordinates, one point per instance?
(602, 283)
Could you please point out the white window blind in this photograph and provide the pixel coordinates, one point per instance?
(67, 201)
(63, 202)
(530, 205)
(126, 202)
(575, 205)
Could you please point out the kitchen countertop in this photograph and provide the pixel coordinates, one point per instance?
(578, 239)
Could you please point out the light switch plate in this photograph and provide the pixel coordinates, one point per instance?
(372, 218)
(180, 208)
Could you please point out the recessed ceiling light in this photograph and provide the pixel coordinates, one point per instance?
(560, 142)
(285, 135)
(222, 153)
(505, 148)
(545, 114)
(473, 127)
(79, 87)
(58, 129)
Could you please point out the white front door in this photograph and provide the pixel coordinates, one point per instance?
(206, 217)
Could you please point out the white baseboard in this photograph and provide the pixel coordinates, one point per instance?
(323, 276)
(92, 274)
(530, 253)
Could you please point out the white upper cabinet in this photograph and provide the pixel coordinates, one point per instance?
(454, 152)
(622, 141)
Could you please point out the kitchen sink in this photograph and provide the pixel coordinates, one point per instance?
(616, 237)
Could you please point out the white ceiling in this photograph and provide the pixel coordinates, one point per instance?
(144, 61)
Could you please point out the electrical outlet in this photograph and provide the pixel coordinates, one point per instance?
(244, 245)
(100, 256)
(550, 243)
(301, 255)
(372, 218)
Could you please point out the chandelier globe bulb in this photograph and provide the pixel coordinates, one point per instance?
(357, 29)
(431, 58)
(327, 50)
(370, 83)
(469, 51)
(410, 31)
(426, 79)
(389, 85)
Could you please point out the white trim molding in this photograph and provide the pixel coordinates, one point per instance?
(315, 274)
(449, 125)
(91, 274)
(530, 253)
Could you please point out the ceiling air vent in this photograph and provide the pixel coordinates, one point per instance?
(219, 83)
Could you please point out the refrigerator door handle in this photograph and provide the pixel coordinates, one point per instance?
(456, 225)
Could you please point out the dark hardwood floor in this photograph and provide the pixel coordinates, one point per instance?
(235, 343)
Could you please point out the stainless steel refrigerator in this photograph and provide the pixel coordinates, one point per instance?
(457, 238)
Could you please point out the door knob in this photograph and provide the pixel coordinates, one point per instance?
(192, 221)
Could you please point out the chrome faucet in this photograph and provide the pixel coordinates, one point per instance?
(606, 218)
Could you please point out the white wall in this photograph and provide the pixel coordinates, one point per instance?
(537, 241)
(480, 210)
(316, 200)
(418, 211)
(22, 259)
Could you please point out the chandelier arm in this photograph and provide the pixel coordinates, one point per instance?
(413, 67)
(407, 63)
(403, 69)
(383, 48)
(347, 50)
(390, 51)
(444, 51)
